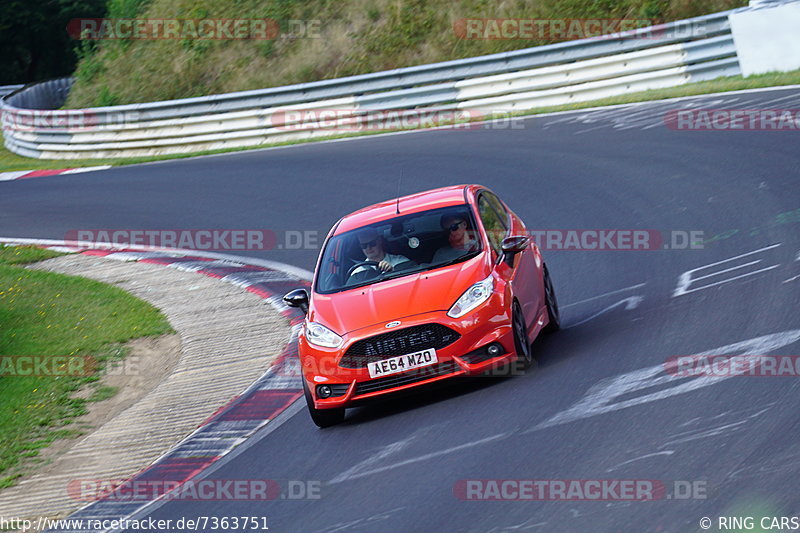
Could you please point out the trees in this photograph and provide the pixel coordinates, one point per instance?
(34, 44)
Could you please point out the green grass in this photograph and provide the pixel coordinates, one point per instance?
(102, 393)
(331, 40)
(20, 255)
(48, 314)
(10, 161)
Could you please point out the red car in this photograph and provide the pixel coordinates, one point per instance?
(418, 289)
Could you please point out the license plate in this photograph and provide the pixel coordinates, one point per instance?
(401, 363)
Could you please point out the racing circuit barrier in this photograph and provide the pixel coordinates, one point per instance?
(6, 89)
(490, 86)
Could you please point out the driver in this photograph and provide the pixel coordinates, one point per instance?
(372, 245)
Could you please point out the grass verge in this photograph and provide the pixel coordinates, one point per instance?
(325, 39)
(49, 315)
(11, 162)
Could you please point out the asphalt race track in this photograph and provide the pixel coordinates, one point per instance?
(600, 405)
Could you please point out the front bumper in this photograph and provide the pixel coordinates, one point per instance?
(488, 324)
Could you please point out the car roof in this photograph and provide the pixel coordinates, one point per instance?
(413, 203)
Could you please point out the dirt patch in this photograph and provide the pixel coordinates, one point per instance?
(149, 361)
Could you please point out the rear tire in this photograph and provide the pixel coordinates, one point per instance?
(322, 417)
(553, 313)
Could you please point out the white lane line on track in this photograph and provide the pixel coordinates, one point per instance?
(361, 523)
(716, 431)
(719, 430)
(731, 269)
(364, 466)
(645, 115)
(729, 280)
(523, 526)
(341, 477)
(637, 286)
(630, 303)
(80, 170)
(790, 97)
(8, 176)
(647, 456)
(686, 279)
(566, 116)
(617, 392)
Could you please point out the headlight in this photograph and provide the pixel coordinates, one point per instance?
(472, 298)
(322, 336)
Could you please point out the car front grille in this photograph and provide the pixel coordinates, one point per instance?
(399, 342)
(407, 378)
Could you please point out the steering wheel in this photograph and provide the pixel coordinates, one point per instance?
(373, 264)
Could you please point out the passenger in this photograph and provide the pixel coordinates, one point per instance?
(372, 245)
(459, 237)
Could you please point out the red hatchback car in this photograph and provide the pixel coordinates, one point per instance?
(418, 289)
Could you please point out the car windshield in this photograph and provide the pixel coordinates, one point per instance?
(397, 247)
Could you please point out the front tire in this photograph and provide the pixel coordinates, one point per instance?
(553, 314)
(521, 342)
(322, 417)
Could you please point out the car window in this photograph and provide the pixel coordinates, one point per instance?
(412, 243)
(492, 223)
(498, 206)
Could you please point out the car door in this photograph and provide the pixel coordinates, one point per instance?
(522, 273)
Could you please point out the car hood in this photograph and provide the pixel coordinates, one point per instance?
(383, 302)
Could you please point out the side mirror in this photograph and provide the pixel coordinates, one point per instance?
(297, 298)
(513, 245)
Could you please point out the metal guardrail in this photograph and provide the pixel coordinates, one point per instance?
(7, 89)
(661, 56)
